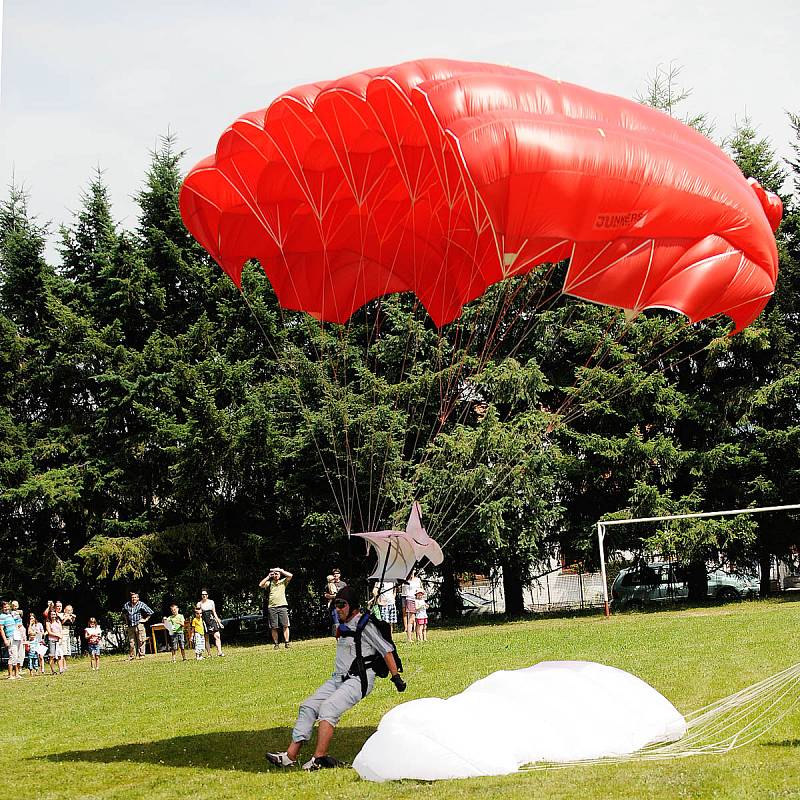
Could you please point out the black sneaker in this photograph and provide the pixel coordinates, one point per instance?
(323, 762)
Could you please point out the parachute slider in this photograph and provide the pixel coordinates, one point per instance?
(399, 551)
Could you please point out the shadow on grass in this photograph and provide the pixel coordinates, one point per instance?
(241, 751)
(784, 743)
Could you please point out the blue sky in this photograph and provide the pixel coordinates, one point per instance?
(94, 83)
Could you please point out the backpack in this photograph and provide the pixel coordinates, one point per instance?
(376, 663)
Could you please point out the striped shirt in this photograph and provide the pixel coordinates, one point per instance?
(134, 614)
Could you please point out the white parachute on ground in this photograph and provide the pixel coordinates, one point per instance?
(555, 711)
(399, 551)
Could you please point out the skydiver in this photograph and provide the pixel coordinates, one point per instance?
(350, 682)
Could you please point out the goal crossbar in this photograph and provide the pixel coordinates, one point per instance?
(603, 524)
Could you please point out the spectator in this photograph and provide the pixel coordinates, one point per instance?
(385, 598)
(54, 630)
(330, 589)
(35, 645)
(8, 624)
(408, 594)
(136, 613)
(212, 622)
(198, 633)
(421, 616)
(335, 583)
(277, 606)
(68, 623)
(94, 635)
(17, 652)
(174, 624)
(188, 630)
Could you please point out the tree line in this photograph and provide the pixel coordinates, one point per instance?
(160, 429)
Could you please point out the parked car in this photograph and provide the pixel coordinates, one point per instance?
(474, 603)
(661, 583)
(247, 626)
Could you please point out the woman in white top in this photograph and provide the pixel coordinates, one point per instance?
(409, 592)
(212, 622)
(384, 594)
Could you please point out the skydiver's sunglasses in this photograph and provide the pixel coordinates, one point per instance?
(340, 603)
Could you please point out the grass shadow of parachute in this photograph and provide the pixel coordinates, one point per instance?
(445, 178)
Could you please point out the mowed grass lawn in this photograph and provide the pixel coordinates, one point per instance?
(199, 729)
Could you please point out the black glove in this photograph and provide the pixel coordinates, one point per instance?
(399, 683)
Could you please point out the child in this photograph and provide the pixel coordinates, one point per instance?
(198, 632)
(174, 624)
(421, 616)
(93, 634)
(34, 644)
(54, 633)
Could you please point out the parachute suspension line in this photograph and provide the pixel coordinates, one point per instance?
(413, 325)
(496, 313)
(353, 495)
(536, 307)
(452, 390)
(728, 724)
(294, 382)
(506, 472)
(570, 401)
(600, 344)
(443, 506)
(576, 414)
(318, 336)
(373, 517)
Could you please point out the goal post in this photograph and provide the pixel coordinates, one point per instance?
(603, 524)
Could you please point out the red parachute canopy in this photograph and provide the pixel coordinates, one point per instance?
(444, 177)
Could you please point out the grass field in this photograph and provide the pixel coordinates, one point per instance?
(200, 729)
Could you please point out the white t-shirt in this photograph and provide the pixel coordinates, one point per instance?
(93, 634)
(386, 593)
(411, 588)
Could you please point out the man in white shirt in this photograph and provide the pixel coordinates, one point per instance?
(342, 690)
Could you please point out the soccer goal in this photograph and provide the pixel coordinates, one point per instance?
(604, 525)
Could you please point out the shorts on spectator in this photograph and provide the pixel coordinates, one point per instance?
(16, 653)
(177, 640)
(410, 605)
(54, 648)
(94, 649)
(389, 613)
(278, 616)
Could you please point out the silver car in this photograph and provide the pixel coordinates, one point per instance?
(662, 582)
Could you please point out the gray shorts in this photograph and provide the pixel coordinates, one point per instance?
(176, 640)
(329, 702)
(278, 616)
